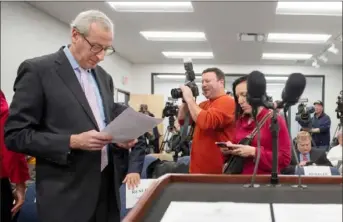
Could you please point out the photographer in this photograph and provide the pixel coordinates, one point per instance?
(320, 127)
(154, 136)
(214, 121)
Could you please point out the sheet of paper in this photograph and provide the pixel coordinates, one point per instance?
(216, 212)
(307, 212)
(132, 196)
(317, 171)
(130, 125)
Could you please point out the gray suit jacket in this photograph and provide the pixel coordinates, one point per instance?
(48, 106)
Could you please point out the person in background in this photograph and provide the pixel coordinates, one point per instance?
(320, 127)
(245, 124)
(214, 122)
(13, 169)
(154, 136)
(335, 153)
(306, 154)
(62, 101)
(130, 161)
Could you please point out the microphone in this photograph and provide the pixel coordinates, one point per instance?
(294, 88)
(256, 84)
(256, 96)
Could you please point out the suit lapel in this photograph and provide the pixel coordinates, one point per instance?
(102, 89)
(67, 74)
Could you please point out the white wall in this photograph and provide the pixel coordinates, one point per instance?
(27, 32)
(333, 78)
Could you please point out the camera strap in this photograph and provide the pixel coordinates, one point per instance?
(185, 128)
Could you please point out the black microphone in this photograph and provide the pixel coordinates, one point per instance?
(256, 84)
(256, 96)
(294, 88)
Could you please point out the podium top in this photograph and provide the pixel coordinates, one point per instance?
(216, 188)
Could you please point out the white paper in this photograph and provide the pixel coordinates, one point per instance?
(130, 125)
(308, 212)
(216, 212)
(317, 171)
(132, 196)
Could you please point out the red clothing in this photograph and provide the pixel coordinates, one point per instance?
(215, 123)
(13, 165)
(243, 128)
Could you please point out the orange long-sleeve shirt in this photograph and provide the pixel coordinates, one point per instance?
(215, 123)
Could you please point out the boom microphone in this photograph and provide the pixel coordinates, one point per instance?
(294, 88)
(256, 84)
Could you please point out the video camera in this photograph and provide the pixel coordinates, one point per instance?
(190, 82)
(303, 116)
(339, 109)
(170, 110)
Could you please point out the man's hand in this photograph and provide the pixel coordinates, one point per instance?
(315, 130)
(128, 144)
(302, 163)
(132, 180)
(186, 93)
(19, 198)
(91, 140)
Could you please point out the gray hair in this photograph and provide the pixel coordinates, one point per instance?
(83, 21)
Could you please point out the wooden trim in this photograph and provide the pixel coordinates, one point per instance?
(153, 192)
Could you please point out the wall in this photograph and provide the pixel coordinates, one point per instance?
(27, 32)
(333, 78)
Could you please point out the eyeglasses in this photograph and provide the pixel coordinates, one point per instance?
(96, 48)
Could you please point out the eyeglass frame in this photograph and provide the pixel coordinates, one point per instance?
(96, 45)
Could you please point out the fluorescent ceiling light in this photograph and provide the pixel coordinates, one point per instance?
(152, 6)
(309, 8)
(275, 84)
(285, 56)
(276, 78)
(192, 55)
(173, 36)
(297, 38)
(174, 77)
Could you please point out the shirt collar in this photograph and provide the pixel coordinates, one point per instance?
(74, 64)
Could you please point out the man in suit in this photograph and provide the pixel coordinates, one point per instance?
(62, 101)
(306, 154)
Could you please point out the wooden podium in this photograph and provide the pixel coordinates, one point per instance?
(232, 188)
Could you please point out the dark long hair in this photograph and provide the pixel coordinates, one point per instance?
(238, 111)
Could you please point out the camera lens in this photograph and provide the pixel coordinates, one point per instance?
(176, 93)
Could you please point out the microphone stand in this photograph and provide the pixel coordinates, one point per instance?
(274, 129)
(299, 185)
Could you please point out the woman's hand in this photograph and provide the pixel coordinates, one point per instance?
(19, 197)
(239, 150)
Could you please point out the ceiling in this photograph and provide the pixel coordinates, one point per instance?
(221, 21)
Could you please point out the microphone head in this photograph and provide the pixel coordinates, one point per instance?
(294, 88)
(256, 84)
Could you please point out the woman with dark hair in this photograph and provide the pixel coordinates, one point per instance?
(242, 152)
(13, 169)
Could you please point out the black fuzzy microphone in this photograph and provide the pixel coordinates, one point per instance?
(294, 88)
(256, 84)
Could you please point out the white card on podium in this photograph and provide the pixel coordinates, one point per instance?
(216, 212)
(317, 171)
(307, 212)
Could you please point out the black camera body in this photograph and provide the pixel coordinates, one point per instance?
(170, 110)
(339, 109)
(190, 82)
(303, 116)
